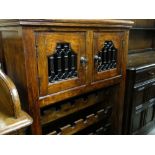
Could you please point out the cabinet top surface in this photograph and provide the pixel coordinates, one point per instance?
(67, 22)
(140, 60)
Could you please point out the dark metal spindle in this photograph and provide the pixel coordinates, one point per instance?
(63, 63)
(51, 68)
(66, 52)
(73, 64)
(108, 56)
(59, 52)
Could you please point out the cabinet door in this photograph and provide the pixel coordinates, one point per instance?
(59, 65)
(107, 51)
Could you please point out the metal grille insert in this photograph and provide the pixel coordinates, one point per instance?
(62, 65)
(106, 58)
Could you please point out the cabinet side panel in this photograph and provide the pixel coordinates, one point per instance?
(121, 89)
(32, 77)
(14, 61)
(20, 62)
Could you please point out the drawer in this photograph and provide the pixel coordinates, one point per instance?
(145, 74)
(142, 94)
(138, 120)
(107, 54)
(139, 95)
(59, 55)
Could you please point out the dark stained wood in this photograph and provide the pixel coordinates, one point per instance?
(27, 44)
(147, 57)
(143, 23)
(12, 118)
(140, 39)
(140, 95)
(142, 35)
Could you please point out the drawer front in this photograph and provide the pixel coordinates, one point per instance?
(107, 50)
(59, 66)
(145, 74)
(138, 97)
(138, 120)
(143, 94)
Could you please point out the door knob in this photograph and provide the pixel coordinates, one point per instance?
(83, 61)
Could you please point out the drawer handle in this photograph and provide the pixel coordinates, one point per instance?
(83, 61)
(151, 73)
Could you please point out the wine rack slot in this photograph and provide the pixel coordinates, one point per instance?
(83, 123)
(58, 111)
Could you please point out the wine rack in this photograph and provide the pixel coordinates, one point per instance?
(79, 113)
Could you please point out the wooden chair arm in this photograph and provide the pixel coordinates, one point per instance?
(11, 115)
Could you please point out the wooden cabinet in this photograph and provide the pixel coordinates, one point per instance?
(139, 103)
(140, 93)
(67, 71)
